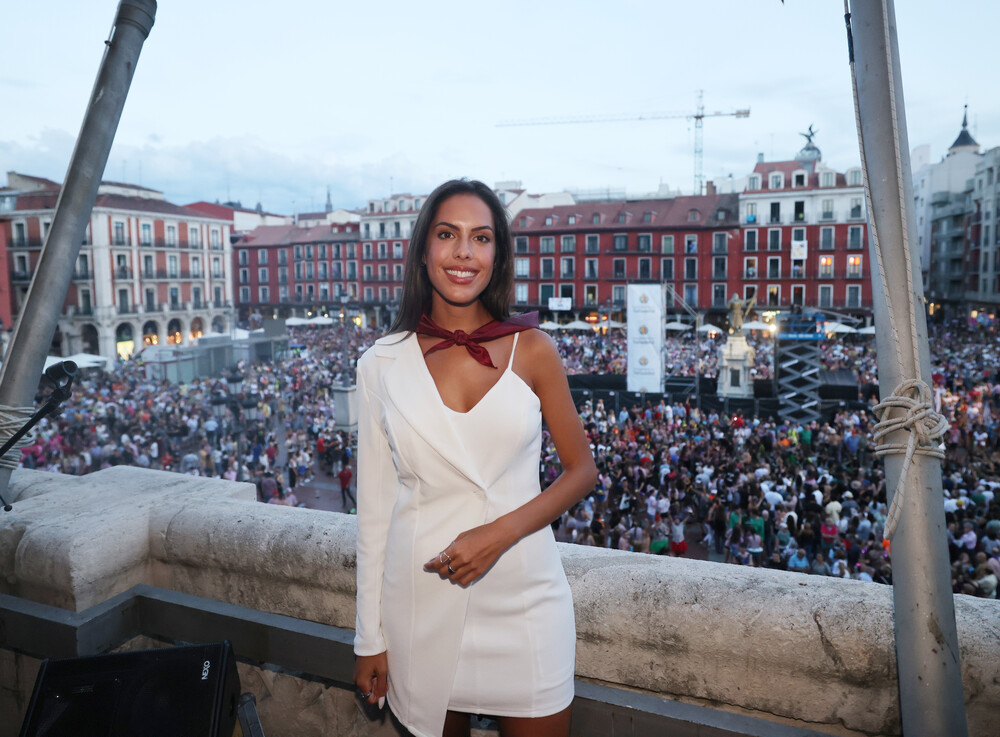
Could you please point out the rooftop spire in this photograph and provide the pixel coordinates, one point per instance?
(965, 141)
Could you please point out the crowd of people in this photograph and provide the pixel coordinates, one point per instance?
(800, 497)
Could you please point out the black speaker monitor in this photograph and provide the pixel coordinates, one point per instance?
(191, 691)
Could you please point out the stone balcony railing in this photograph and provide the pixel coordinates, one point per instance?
(793, 651)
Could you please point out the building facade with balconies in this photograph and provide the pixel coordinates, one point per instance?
(982, 292)
(291, 271)
(588, 253)
(148, 272)
(804, 236)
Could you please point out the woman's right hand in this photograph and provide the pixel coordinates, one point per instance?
(371, 676)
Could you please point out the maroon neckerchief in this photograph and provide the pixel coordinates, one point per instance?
(490, 331)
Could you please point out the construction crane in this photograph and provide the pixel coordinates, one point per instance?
(698, 116)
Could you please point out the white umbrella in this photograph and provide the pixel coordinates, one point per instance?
(296, 321)
(321, 321)
(870, 330)
(577, 325)
(756, 325)
(677, 325)
(549, 325)
(82, 360)
(837, 327)
(610, 324)
(709, 328)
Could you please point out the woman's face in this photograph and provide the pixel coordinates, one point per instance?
(460, 249)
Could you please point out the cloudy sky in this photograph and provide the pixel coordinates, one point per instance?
(273, 102)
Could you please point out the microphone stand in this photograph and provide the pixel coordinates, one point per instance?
(61, 376)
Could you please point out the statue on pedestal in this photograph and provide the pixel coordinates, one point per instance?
(738, 311)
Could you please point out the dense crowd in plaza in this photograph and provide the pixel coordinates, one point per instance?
(807, 498)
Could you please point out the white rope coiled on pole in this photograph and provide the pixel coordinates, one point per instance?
(925, 426)
(12, 419)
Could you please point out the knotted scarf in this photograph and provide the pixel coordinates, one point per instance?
(490, 331)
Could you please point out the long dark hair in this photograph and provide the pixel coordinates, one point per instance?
(417, 289)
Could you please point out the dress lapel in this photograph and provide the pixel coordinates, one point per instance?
(412, 391)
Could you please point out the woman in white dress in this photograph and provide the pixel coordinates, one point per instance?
(463, 606)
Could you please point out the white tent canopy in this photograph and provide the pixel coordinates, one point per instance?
(677, 325)
(870, 330)
(549, 325)
(709, 328)
(756, 325)
(577, 325)
(837, 327)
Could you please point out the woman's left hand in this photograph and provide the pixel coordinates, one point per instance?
(472, 553)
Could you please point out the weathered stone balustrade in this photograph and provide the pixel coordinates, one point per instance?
(798, 649)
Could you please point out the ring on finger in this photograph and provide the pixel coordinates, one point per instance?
(450, 569)
(365, 695)
(444, 557)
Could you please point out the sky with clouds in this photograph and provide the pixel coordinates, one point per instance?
(274, 102)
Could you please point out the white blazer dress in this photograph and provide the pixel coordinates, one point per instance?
(503, 646)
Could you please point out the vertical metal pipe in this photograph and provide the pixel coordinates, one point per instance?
(927, 655)
(36, 323)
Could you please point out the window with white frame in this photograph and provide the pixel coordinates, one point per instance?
(244, 294)
(774, 239)
(854, 236)
(566, 291)
(644, 242)
(749, 292)
(853, 296)
(397, 250)
(618, 294)
(826, 238)
(262, 257)
(776, 180)
(854, 177)
(397, 272)
(262, 275)
(590, 269)
(618, 268)
(750, 240)
(620, 242)
(264, 294)
(666, 269)
(690, 243)
(773, 295)
(855, 207)
(753, 182)
(774, 267)
(667, 244)
(825, 267)
(798, 294)
(567, 244)
(548, 268)
(826, 209)
(521, 244)
(194, 236)
(854, 267)
(521, 293)
(751, 216)
(172, 237)
(718, 295)
(567, 267)
(828, 179)
(590, 294)
(547, 244)
(593, 244)
(645, 269)
(690, 269)
(691, 294)
(750, 267)
(522, 268)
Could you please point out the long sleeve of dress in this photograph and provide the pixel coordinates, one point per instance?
(376, 491)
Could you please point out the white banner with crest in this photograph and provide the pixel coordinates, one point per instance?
(645, 338)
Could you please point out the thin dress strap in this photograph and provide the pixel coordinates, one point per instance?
(510, 364)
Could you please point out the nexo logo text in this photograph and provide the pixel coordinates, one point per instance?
(204, 670)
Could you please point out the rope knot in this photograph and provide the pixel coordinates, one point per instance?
(926, 428)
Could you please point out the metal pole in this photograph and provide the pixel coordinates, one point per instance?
(36, 323)
(927, 655)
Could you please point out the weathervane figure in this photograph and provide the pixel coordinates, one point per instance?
(809, 135)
